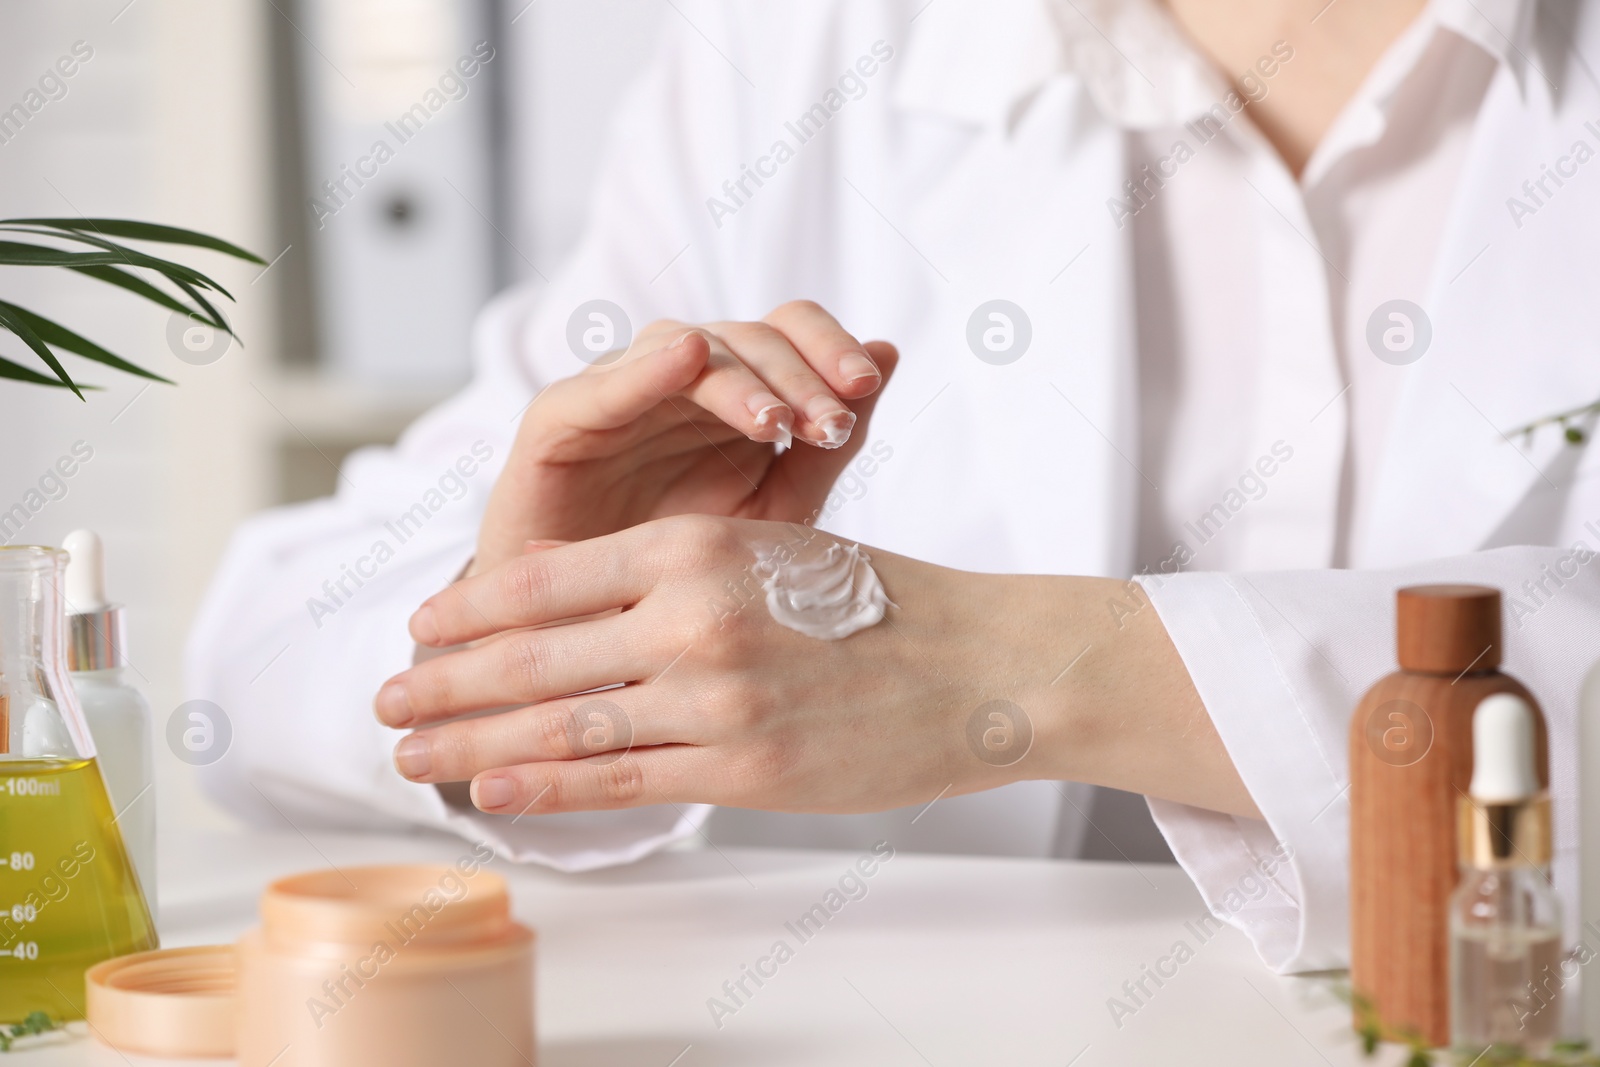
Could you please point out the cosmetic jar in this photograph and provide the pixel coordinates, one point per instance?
(411, 966)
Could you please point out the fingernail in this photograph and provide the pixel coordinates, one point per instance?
(394, 704)
(773, 417)
(682, 338)
(856, 366)
(423, 626)
(413, 756)
(832, 422)
(492, 793)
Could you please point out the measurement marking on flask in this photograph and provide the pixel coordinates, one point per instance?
(25, 950)
(32, 787)
(24, 913)
(18, 861)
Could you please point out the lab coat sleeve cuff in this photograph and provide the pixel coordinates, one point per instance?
(579, 841)
(1283, 881)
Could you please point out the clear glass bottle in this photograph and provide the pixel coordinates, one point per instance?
(1505, 919)
(118, 716)
(69, 896)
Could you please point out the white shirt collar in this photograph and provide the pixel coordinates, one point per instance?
(1503, 28)
(981, 60)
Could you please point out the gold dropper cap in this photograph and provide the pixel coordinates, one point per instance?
(1501, 836)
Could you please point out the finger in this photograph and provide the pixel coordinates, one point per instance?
(520, 667)
(621, 394)
(583, 578)
(734, 393)
(823, 419)
(643, 776)
(577, 727)
(802, 476)
(828, 348)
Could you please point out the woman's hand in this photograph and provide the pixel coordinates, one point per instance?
(971, 681)
(685, 421)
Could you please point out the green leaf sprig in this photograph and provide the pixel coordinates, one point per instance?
(1419, 1054)
(1567, 420)
(36, 1023)
(90, 251)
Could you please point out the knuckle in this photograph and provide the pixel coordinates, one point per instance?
(797, 309)
(552, 795)
(743, 334)
(761, 328)
(525, 586)
(523, 664)
(552, 732)
(455, 749)
(428, 689)
(701, 541)
(620, 782)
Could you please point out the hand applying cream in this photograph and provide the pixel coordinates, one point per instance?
(727, 701)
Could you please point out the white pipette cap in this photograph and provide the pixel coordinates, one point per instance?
(1502, 751)
(96, 636)
(1505, 822)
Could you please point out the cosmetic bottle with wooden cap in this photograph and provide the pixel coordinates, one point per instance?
(1410, 763)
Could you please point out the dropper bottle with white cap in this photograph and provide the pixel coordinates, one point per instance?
(1506, 973)
(119, 718)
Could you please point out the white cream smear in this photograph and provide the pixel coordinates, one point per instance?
(828, 594)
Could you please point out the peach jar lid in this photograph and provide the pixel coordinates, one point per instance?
(174, 1002)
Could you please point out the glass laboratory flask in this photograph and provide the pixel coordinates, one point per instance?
(69, 896)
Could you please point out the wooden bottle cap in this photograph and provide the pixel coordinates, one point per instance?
(1448, 629)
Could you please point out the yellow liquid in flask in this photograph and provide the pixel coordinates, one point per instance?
(69, 896)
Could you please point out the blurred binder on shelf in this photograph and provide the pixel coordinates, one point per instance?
(395, 118)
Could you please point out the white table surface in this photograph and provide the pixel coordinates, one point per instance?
(946, 961)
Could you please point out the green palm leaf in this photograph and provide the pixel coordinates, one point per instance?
(135, 284)
(18, 254)
(18, 373)
(147, 231)
(131, 257)
(16, 325)
(108, 261)
(58, 336)
(216, 316)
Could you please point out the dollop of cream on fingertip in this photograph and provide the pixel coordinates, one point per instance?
(828, 593)
(780, 416)
(836, 429)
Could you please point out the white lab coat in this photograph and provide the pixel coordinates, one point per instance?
(974, 166)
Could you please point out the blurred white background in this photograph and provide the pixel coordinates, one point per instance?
(226, 116)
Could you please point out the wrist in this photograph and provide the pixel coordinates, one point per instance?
(1106, 694)
(1065, 664)
(1010, 653)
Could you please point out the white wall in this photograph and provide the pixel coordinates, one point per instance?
(165, 123)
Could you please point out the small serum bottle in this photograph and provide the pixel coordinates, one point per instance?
(118, 717)
(1505, 920)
